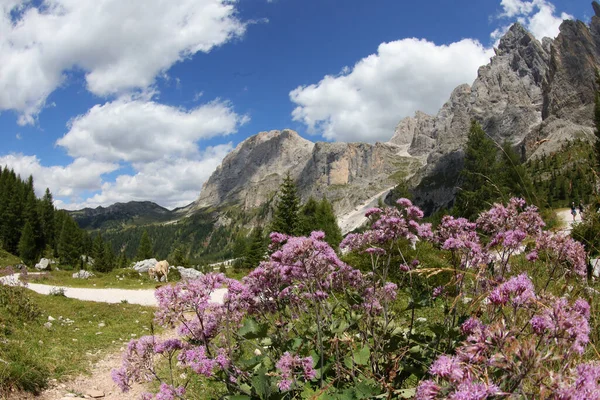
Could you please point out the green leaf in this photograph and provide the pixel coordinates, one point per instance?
(366, 389)
(239, 397)
(261, 384)
(253, 330)
(362, 356)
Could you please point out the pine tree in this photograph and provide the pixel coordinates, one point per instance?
(30, 214)
(27, 247)
(286, 219)
(514, 179)
(109, 258)
(308, 217)
(328, 223)
(68, 243)
(178, 257)
(256, 250)
(46, 212)
(122, 262)
(478, 190)
(98, 253)
(145, 249)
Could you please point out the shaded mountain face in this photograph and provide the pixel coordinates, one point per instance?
(533, 94)
(122, 214)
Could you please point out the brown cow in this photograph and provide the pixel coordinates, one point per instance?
(159, 270)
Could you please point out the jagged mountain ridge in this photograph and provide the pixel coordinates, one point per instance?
(534, 94)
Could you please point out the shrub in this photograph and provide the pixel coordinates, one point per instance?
(306, 324)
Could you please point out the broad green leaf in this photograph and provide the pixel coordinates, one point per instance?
(253, 330)
(362, 356)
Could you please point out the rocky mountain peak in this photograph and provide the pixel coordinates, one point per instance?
(596, 7)
(516, 37)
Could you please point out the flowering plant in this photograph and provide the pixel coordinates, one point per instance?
(307, 324)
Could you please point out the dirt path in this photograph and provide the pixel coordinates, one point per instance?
(144, 297)
(99, 381)
(566, 219)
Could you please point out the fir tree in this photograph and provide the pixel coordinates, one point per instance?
(256, 249)
(145, 249)
(513, 177)
(109, 258)
(98, 253)
(46, 212)
(68, 243)
(27, 247)
(478, 190)
(286, 219)
(308, 217)
(122, 261)
(328, 223)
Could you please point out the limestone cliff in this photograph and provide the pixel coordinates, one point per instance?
(347, 173)
(533, 94)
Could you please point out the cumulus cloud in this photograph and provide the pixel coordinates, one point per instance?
(159, 143)
(66, 181)
(538, 16)
(365, 102)
(120, 45)
(141, 131)
(168, 182)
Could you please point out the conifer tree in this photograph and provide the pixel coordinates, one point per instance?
(68, 243)
(478, 190)
(513, 177)
(98, 253)
(328, 223)
(122, 262)
(256, 249)
(145, 248)
(27, 247)
(308, 217)
(108, 259)
(30, 214)
(46, 212)
(286, 219)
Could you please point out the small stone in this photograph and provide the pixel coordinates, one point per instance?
(74, 340)
(98, 333)
(95, 393)
(48, 325)
(51, 318)
(101, 325)
(133, 335)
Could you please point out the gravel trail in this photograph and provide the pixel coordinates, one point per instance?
(144, 297)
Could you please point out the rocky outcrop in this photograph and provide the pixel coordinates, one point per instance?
(533, 94)
(347, 173)
(143, 266)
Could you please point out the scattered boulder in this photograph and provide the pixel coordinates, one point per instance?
(83, 274)
(95, 393)
(44, 264)
(144, 265)
(188, 273)
(595, 262)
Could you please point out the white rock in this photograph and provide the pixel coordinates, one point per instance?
(48, 325)
(144, 265)
(189, 273)
(51, 318)
(44, 263)
(83, 274)
(101, 325)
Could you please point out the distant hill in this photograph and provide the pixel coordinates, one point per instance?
(121, 215)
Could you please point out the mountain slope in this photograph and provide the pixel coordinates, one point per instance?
(122, 214)
(533, 94)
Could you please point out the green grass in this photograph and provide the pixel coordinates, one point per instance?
(7, 259)
(32, 354)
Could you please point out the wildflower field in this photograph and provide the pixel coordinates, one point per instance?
(496, 308)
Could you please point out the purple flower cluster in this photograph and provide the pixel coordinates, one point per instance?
(582, 383)
(518, 289)
(198, 359)
(289, 366)
(564, 250)
(459, 235)
(391, 224)
(165, 392)
(563, 324)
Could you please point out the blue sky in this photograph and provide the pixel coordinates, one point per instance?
(106, 101)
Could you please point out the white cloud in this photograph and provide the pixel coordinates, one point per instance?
(68, 180)
(143, 131)
(365, 102)
(159, 143)
(170, 183)
(538, 16)
(120, 45)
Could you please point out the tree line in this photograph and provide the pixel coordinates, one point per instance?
(32, 227)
